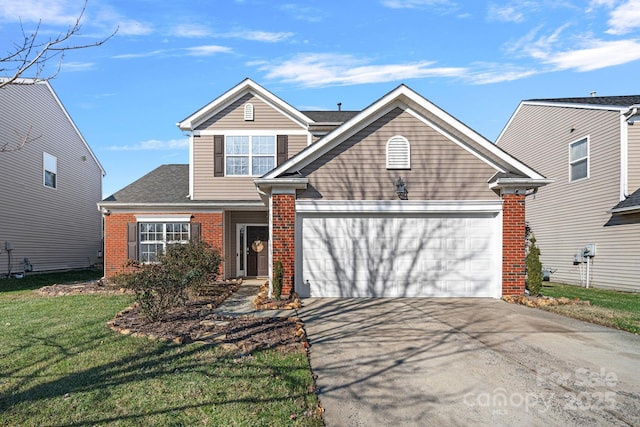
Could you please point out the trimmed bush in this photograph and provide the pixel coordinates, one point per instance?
(277, 280)
(165, 284)
(534, 268)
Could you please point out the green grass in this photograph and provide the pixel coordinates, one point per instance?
(61, 366)
(35, 280)
(615, 309)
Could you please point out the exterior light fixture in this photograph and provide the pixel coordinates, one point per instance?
(401, 189)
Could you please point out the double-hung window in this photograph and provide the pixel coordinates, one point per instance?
(50, 170)
(579, 159)
(155, 237)
(252, 155)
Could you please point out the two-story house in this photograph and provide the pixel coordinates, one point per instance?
(587, 223)
(399, 199)
(50, 182)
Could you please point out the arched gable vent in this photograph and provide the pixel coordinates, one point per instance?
(398, 153)
(248, 112)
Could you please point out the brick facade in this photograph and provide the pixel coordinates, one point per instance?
(513, 244)
(115, 237)
(283, 213)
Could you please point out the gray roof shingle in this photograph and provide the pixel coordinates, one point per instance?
(617, 101)
(330, 116)
(633, 201)
(165, 184)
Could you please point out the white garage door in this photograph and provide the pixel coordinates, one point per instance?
(400, 256)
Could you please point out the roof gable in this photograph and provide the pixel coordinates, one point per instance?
(237, 92)
(407, 100)
(27, 96)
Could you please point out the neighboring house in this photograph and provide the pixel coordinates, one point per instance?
(49, 187)
(400, 199)
(591, 147)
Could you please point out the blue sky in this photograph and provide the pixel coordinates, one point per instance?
(477, 60)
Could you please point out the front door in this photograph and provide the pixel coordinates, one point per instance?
(257, 250)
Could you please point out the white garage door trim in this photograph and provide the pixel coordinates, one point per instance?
(466, 264)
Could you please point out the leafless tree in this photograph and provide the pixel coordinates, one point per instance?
(33, 52)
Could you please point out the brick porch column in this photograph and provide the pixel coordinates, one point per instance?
(283, 218)
(513, 244)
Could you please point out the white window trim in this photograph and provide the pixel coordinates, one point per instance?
(405, 163)
(164, 242)
(588, 157)
(46, 164)
(250, 135)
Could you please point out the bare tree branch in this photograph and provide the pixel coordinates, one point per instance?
(32, 54)
(21, 142)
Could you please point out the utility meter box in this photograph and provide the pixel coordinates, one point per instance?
(589, 250)
(8, 246)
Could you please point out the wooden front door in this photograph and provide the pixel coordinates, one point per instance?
(257, 251)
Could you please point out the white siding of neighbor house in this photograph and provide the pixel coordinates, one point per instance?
(231, 118)
(55, 228)
(565, 215)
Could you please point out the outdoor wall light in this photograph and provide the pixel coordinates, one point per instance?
(401, 189)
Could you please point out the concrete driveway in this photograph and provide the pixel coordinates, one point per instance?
(389, 362)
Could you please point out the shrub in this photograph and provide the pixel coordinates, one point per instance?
(164, 284)
(534, 268)
(277, 280)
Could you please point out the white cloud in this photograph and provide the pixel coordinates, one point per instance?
(153, 144)
(484, 73)
(131, 27)
(149, 54)
(264, 36)
(625, 18)
(207, 50)
(415, 4)
(599, 54)
(191, 30)
(506, 13)
(78, 66)
(317, 70)
(304, 13)
(53, 12)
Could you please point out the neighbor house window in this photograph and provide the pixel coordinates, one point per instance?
(50, 170)
(579, 159)
(250, 155)
(398, 153)
(155, 237)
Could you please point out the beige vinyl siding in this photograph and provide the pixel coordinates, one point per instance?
(231, 220)
(265, 117)
(634, 157)
(207, 187)
(565, 215)
(55, 228)
(440, 169)
(231, 118)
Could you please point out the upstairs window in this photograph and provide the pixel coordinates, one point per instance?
(50, 170)
(579, 159)
(398, 153)
(248, 112)
(250, 155)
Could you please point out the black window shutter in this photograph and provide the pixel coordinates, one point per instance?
(218, 155)
(283, 149)
(195, 231)
(132, 240)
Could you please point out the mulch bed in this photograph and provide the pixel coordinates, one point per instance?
(536, 302)
(196, 321)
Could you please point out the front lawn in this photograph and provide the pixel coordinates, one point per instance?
(614, 309)
(61, 366)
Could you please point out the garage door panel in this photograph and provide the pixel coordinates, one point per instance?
(399, 256)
